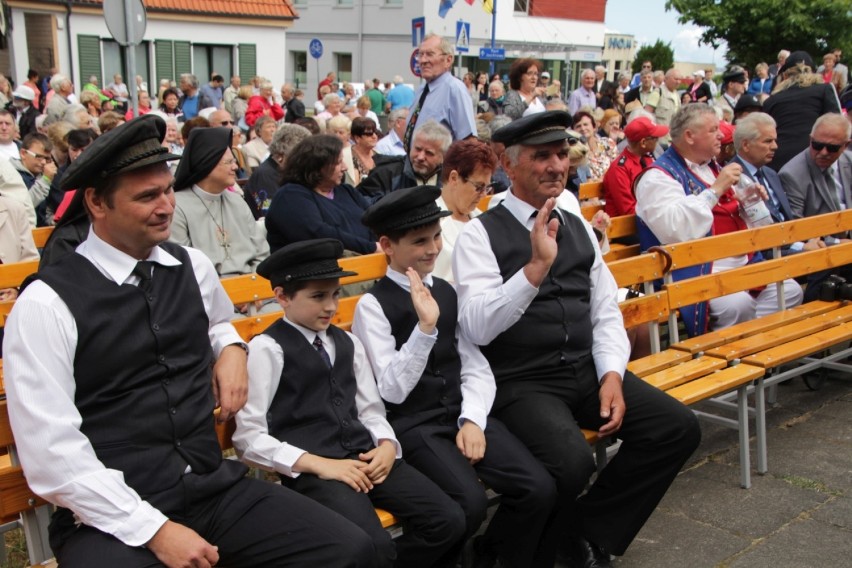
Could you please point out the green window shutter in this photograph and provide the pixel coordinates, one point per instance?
(247, 61)
(89, 49)
(164, 56)
(183, 58)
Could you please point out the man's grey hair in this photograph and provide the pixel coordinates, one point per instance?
(93, 78)
(833, 119)
(636, 113)
(587, 72)
(190, 78)
(397, 79)
(646, 72)
(56, 82)
(431, 131)
(783, 54)
(368, 84)
(687, 118)
(623, 75)
(395, 115)
(286, 138)
(599, 68)
(331, 98)
(659, 74)
(555, 104)
(444, 44)
(748, 128)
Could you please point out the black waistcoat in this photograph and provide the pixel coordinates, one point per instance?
(437, 396)
(556, 327)
(142, 370)
(314, 407)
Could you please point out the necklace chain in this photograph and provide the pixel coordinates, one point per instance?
(221, 233)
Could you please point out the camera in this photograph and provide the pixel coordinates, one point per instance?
(835, 288)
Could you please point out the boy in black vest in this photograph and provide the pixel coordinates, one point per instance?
(438, 388)
(314, 415)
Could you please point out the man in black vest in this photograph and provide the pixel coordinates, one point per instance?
(438, 388)
(535, 294)
(110, 358)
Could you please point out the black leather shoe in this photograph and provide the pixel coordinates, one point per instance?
(589, 555)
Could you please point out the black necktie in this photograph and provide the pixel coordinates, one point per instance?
(322, 352)
(144, 270)
(409, 130)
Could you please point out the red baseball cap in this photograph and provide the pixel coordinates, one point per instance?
(643, 127)
(727, 130)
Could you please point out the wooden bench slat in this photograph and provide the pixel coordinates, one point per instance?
(12, 274)
(802, 347)
(703, 288)
(781, 335)
(621, 226)
(368, 266)
(657, 362)
(386, 518)
(7, 437)
(619, 252)
(716, 383)
(15, 495)
(40, 236)
(698, 251)
(589, 211)
(644, 309)
(716, 338)
(645, 267)
(590, 190)
(685, 372)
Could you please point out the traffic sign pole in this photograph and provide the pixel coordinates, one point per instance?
(131, 59)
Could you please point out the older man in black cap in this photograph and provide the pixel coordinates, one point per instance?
(535, 294)
(109, 364)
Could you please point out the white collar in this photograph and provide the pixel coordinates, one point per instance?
(116, 264)
(402, 280)
(308, 333)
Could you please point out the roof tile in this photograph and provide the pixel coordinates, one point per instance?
(264, 8)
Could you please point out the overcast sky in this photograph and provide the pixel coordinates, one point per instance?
(648, 21)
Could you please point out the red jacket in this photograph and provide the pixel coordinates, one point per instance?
(258, 106)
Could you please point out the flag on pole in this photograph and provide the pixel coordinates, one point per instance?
(470, 2)
(444, 7)
(488, 6)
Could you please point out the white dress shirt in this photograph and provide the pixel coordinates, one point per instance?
(488, 306)
(671, 214)
(40, 343)
(450, 229)
(398, 372)
(252, 440)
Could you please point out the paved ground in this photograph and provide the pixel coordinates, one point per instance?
(797, 515)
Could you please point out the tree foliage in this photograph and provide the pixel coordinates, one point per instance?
(755, 30)
(660, 54)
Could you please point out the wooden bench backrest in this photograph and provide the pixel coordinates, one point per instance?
(708, 249)
(590, 190)
(15, 495)
(702, 288)
(40, 236)
(639, 269)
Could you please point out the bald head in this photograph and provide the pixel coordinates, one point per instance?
(221, 118)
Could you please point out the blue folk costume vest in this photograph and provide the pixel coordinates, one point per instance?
(437, 397)
(725, 220)
(314, 406)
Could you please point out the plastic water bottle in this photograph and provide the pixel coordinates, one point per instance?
(752, 208)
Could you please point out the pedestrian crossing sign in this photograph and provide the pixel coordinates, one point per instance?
(462, 36)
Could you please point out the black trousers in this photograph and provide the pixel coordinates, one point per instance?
(528, 491)
(432, 523)
(254, 523)
(658, 435)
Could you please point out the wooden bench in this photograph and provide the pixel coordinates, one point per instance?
(781, 336)
(40, 236)
(620, 227)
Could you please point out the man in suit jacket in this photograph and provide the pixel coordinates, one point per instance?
(819, 179)
(756, 140)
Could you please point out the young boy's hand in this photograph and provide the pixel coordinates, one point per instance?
(471, 441)
(380, 461)
(424, 304)
(351, 472)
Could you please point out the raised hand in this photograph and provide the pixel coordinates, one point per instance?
(424, 304)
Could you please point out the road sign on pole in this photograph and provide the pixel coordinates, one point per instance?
(414, 64)
(418, 31)
(462, 36)
(315, 47)
(492, 53)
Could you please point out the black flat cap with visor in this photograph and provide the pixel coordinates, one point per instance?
(404, 209)
(315, 259)
(540, 128)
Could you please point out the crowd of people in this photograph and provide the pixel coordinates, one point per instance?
(493, 338)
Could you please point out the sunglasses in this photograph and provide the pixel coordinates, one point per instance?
(228, 123)
(832, 148)
(368, 133)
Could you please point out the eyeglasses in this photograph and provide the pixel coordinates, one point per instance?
(37, 156)
(480, 188)
(572, 140)
(227, 123)
(228, 163)
(646, 67)
(832, 148)
(369, 133)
